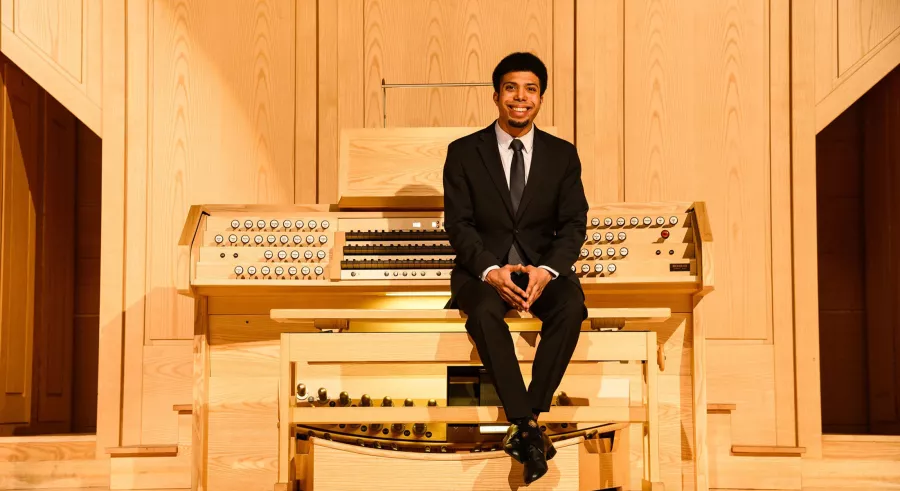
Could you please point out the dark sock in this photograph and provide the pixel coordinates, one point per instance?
(528, 427)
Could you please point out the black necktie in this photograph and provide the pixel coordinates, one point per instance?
(516, 188)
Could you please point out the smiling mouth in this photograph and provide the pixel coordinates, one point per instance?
(520, 111)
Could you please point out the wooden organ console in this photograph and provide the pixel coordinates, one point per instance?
(324, 359)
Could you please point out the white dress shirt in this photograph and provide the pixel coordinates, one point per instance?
(504, 140)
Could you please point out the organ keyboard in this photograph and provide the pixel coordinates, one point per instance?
(651, 244)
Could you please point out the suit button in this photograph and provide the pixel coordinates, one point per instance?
(516, 231)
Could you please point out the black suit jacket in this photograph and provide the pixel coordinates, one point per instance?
(549, 225)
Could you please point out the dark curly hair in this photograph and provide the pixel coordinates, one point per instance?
(520, 62)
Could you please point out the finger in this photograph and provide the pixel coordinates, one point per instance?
(514, 288)
(511, 298)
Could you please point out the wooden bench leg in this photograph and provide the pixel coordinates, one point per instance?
(652, 480)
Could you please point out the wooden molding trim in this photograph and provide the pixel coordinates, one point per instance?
(183, 408)
(720, 408)
(374, 452)
(143, 451)
(767, 451)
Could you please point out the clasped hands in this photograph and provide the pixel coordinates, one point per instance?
(522, 301)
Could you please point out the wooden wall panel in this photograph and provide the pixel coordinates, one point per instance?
(341, 86)
(59, 44)
(861, 26)
(55, 27)
(167, 381)
(452, 41)
(600, 98)
(745, 376)
(697, 128)
(221, 105)
(22, 205)
(52, 407)
(857, 42)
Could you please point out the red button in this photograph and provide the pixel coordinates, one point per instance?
(665, 234)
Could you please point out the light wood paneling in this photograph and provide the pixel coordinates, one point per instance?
(600, 98)
(59, 44)
(697, 128)
(744, 375)
(803, 232)
(448, 45)
(857, 42)
(306, 113)
(112, 221)
(167, 381)
(55, 28)
(341, 85)
(221, 102)
(861, 26)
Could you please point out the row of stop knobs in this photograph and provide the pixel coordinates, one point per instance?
(274, 224)
(344, 400)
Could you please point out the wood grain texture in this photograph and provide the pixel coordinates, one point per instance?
(112, 220)
(331, 460)
(782, 298)
(222, 94)
(744, 375)
(39, 449)
(136, 214)
(341, 86)
(600, 98)
(862, 25)
(803, 233)
(697, 128)
(857, 44)
(306, 115)
(167, 380)
(455, 41)
(55, 27)
(59, 44)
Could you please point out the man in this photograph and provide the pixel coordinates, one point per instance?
(516, 215)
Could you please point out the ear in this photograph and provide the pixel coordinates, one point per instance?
(496, 97)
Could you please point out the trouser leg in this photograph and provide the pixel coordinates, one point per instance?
(561, 310)
(485, 311)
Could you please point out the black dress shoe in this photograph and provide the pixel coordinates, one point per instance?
(549, 449)
(535, 464)
(512, 443)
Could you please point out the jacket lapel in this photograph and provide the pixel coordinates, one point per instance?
(537, 173)
(490, 156)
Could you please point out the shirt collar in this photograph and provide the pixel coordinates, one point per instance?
(504, 138)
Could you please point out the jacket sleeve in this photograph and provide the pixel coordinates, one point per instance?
(459, 219)
(571, 219)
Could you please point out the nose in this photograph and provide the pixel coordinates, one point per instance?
(520, 94)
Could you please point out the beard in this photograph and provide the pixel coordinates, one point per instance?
(518, 123)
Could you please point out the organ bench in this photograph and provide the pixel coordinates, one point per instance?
(423, 429)
(323, 357)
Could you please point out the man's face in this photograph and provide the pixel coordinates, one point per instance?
(519, 99)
